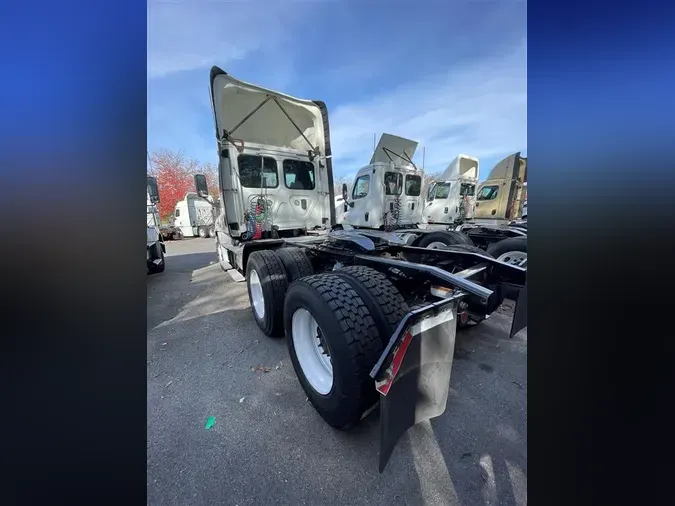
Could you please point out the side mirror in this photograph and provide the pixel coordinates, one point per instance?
(344, 192)
(153, 191)
(201, 186)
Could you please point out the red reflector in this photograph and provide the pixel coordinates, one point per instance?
(391, 372)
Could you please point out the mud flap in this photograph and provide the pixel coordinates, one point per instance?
(413, 374)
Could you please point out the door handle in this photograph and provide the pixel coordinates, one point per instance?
(494, 211)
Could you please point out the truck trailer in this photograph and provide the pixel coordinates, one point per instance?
(369, 319)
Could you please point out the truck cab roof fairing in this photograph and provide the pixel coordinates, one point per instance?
(261, 116)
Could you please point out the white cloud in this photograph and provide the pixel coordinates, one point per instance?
(197, 34)
(478, 109)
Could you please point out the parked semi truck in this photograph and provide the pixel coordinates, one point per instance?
(368, 317)
(386, 196)
(452, 199)
(387, 193)
(499, 224)
(155, 248)
(194, 217)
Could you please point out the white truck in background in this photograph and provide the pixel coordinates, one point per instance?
(155, 248)
(194, 216)
(387, 193)
(452, 199)
(386, 196)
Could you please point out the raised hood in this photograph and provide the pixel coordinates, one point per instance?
(462, 166)
(394, 148)
(513, 166)
(253, 114)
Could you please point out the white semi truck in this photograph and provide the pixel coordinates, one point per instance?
(155, 248)
(452, 199)
(368, 317)
(387, 193)
(194, 217)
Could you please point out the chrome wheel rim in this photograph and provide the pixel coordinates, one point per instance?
(257, 298)
(517, 258)
(311, 351)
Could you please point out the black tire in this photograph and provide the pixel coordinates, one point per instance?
(154, 268)
(274, 284)
(504, 246)
(212, 232)
(202, 233)
(352, 339)
(385, 303)
(295, 262)
(447, 237)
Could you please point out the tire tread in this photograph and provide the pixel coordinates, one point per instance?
(361, 336)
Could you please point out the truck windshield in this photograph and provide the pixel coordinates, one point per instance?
(442, 190)
(393, 183)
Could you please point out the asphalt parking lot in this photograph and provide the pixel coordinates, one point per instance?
(207, 358)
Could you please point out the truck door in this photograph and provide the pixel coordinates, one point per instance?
(362, 195)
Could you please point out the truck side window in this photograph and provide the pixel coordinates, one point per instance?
(393, 183)
(298, 175)
(361, 187)
(177, 213)
(488, 193)
(249, 171)
(413, 185)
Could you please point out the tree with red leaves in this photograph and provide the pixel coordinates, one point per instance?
(175, 177)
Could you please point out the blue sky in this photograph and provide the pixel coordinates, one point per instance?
(450, 74)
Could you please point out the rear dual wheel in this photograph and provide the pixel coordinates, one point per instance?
(336, 329)
(336, 325)
(268, 275)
